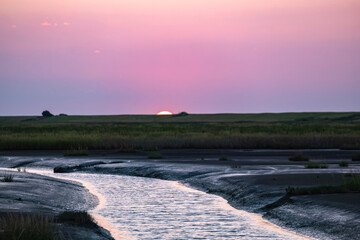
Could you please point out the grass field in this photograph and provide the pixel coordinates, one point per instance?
(129, 132)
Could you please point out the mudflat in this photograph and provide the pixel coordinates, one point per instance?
(33, 196)
(255, 181)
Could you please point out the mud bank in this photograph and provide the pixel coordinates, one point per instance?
(252, 182)
(327, 216)
(30, 194)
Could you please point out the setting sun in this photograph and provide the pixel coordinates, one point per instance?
(164, 113)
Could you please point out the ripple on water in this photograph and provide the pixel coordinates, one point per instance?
(147, 208)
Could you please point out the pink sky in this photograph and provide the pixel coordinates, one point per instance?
(139, 56)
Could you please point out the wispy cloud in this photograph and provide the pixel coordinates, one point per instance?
(13, 26)
(66, 24)
(45, 24)
(97, 51)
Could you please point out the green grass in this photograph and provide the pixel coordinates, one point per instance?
(207, 131)
(315, 165)
(155, 156)
(349, 185)
(299, 157)
(343, 164)
(8, 178)
(28, 227)
(79, 152)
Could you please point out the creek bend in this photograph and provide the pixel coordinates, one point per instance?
(147, 208)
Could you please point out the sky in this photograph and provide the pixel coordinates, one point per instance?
(199, 56)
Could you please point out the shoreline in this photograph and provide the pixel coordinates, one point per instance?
(253, 193)
(31, 194)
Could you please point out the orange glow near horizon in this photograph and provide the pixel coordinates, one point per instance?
(164, 113)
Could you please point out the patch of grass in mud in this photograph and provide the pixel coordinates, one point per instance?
(8, 178)
(343, 164)
(223, 158)
(22, 226)
(351, 184)
(315, 165)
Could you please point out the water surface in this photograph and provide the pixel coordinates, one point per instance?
(146, 208)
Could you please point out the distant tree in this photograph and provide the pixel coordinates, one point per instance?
(181, 114)
(62, 115)
(46, 114)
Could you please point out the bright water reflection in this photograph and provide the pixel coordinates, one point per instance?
(146, 208)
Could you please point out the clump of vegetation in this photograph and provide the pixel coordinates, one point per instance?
(21, 169)
(155, 156)
(356, 157)
(47, 114)
(8, 178)
(63, 115)
(354, 183)
(350, 185)
(316, 165)
(299, 157)
(80, 218)
(28, 227)
(343, 164)
(235, 166)
(180, 114)
(223, 158)
(78, 152)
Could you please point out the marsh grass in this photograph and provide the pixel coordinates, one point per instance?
(351, 184)
(155, 156)
(79, 218)
(299, 157)
(315, 165)
(8, 178)
(343, 164)
(28, 227)
(194, 135)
